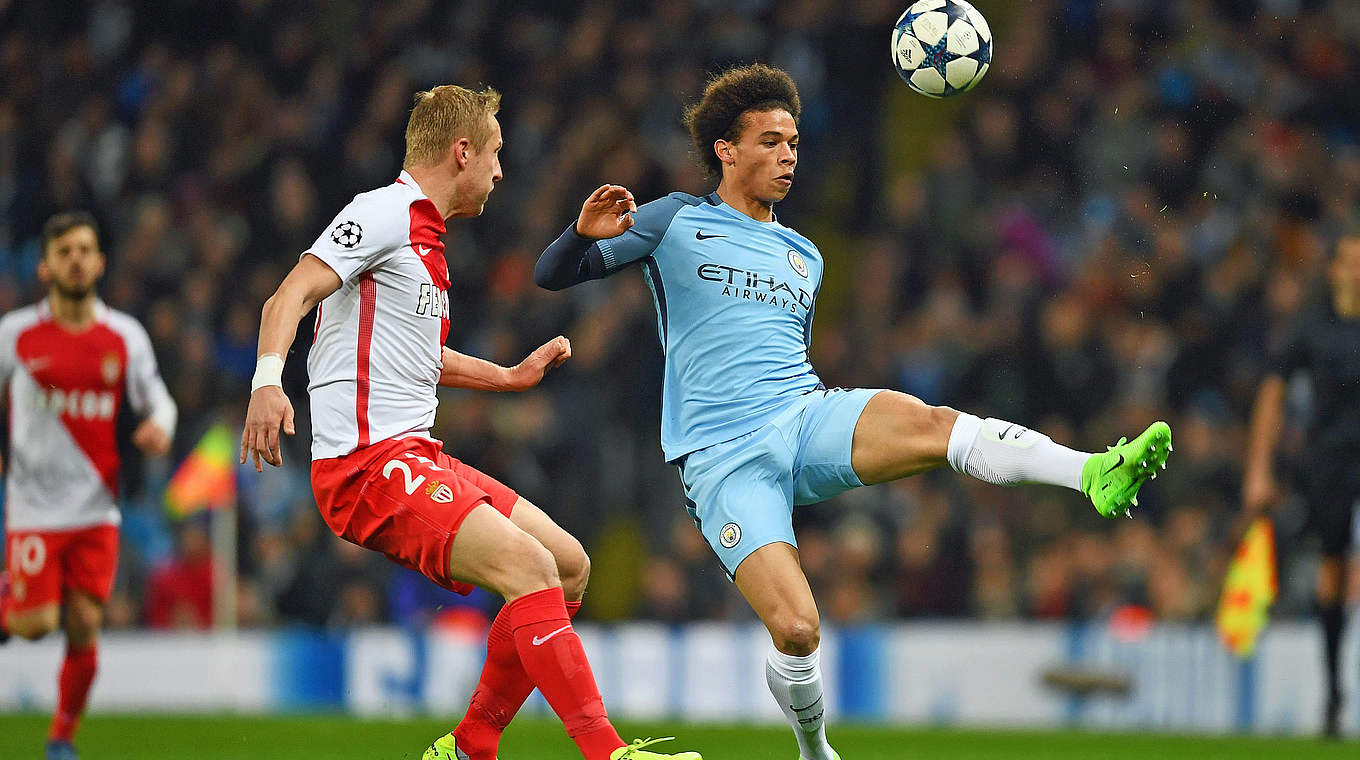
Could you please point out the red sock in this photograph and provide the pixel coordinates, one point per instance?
(552, 656)
(73, 688)
(501, 691)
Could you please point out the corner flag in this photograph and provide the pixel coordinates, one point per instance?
(1248, 590)
(207, 477)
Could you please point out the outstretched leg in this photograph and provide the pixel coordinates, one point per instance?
(898, 435)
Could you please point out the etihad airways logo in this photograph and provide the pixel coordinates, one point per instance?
(749, 285)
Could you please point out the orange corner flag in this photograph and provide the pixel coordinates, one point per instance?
(207, 477)
(1248, 590)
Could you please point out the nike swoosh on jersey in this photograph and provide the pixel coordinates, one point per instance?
(421, 250)
(699, 235)
(540, 642)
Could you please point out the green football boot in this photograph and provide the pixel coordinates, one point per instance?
(1112, 479)
(445, 748)
(635, 751)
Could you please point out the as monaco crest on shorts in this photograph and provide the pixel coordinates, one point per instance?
(439, 493)
(111, 368)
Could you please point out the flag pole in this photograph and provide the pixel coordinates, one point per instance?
(223, 529)
(206, 479)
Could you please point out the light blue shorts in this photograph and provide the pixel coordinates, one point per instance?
(741, 492)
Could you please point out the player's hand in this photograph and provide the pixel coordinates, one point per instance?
(606, 213)
(529, 372)
(1259, 492)
(269, 412)
(151, 439)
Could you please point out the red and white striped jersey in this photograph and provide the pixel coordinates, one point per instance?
(65, 390)
(378, 350)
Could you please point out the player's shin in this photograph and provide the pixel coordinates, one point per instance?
(77, 675)
(555, 661)
(796, 683)
(500, 693)
(1007, 454)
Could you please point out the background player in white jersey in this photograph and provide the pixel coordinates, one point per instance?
(745, 417)
(67, 363)
(379, 279)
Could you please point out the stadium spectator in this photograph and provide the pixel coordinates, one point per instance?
(1142, 191)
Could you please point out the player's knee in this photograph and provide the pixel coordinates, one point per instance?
(35, 625)
(82, 623)
(937, 421)
(796, 634)
(922, 419)
(527, 566)
(573, 568)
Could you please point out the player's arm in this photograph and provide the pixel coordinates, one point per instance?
(148, 396)
(270, 411)
(463, 371)
(1259, 488)
(1288, 354)
(611, 233)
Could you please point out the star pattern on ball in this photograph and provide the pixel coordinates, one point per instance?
(938, 55)
(957, 13)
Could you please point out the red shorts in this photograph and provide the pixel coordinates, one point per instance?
(405, 497)
(43, 563)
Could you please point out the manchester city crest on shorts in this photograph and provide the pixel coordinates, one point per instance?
(730, 535)
(347, 234)
(796, 261)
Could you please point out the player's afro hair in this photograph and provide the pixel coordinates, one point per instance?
(730, 95)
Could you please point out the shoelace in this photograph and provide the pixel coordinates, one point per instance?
(640, 743)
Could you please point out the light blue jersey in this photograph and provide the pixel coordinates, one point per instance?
(744, 415)
(734, 301)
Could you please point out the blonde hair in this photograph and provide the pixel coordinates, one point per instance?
(442, 115)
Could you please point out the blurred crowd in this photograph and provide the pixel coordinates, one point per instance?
(1109, 230)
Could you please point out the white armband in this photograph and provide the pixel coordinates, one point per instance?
(268, 371)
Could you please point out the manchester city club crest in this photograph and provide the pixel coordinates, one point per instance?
(730, 535)
(796, 261)
(347, 234)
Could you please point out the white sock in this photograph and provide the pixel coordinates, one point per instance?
(1007, 454)
(796, 683)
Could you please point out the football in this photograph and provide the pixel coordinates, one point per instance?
(941, 47)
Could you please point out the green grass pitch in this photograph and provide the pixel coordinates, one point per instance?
(328, 737)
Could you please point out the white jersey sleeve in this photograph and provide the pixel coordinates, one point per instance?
(362, 236)
(146, 392)
(10, 325)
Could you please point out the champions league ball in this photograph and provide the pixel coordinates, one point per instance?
(941, 47)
